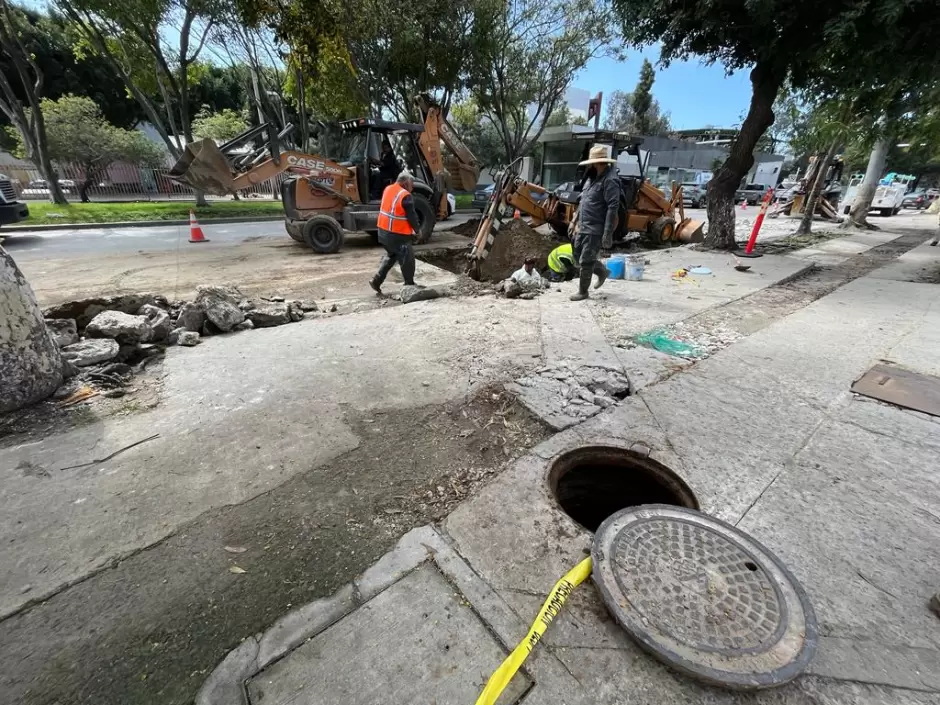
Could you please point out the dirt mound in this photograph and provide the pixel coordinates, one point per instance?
(468, 229)
(513, 242)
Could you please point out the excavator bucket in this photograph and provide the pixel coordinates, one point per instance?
(690, 230)
(204, 167)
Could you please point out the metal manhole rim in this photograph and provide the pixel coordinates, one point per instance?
(749, 680)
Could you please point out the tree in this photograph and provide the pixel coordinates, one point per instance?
(30, 363)
(622, 116)
(807, 44)
(534, 51)
(647, 116)
(28, 121)
(478, 134)
(79, 135)
(221, 126)
(150, 41)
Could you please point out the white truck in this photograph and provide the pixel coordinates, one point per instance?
(888, 196)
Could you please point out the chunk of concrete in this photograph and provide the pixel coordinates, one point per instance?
(83, 310)
(91, 351)
(187, 338)
(269, 314)
(191, 317)
(158, 320)
(220, 305)
(64, 331)
(123, 327)
(410, 294)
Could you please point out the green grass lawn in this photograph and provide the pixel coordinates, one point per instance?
(43, 213)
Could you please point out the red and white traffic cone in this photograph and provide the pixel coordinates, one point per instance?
(744, 205)
(195, 232)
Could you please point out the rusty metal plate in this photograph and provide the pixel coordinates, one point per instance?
(704, 597)
(901, 387)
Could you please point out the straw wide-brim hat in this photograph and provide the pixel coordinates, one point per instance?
(598, 155)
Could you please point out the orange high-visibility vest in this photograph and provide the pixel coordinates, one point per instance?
(392, 214)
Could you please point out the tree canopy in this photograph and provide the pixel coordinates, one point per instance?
(639, 112)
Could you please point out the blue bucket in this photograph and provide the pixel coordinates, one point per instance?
(616, 266)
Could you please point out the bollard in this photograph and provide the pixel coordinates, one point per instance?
(765, 204)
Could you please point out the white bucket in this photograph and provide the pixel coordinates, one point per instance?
(636, 265)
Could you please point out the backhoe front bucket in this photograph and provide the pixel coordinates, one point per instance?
(204, 167)
(691, 231)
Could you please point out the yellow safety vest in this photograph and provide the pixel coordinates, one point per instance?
(562, 252)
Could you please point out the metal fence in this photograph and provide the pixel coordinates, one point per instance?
(120, 182)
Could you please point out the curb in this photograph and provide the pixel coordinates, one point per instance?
(157, 223)
(138, 224)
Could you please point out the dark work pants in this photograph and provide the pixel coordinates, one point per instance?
(397, 249)
(587, 250)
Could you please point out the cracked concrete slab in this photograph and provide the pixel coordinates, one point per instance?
(238, 432)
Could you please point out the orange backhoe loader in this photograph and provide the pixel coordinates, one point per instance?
(644, 209)
(341, 190)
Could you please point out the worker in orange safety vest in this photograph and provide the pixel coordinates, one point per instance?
(398, 223)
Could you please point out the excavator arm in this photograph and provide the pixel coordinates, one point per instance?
(463, 168)
(222, 170)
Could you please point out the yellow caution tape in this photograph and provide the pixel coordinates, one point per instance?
(550, 609)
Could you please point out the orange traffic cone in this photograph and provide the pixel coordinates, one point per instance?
(516, 215)
(195, 232)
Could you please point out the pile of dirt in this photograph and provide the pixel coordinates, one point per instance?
(468, 229)
(514, 241)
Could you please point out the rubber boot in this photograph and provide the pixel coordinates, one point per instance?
(376, 286)
(601, 271)
(584, 285)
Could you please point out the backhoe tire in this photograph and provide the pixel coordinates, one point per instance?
(663, 229)
(426, 218)
(294, 229)
(323, 234)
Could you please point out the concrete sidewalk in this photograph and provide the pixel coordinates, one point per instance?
(845, 490)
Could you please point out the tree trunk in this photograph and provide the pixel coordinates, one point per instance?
(812, 196)
(858, 216)
(720, 193)
(30, 363)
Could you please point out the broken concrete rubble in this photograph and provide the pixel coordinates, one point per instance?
(158, 320)
(563, 396)
(411, 293)
(191, 317)
(220, 305)
(64, 331)
(244, 325)
(84, 310)
(123, 327)
(91, 351)
(265, 315)
(187, 338)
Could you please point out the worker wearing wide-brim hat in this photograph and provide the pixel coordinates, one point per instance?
(597, 218)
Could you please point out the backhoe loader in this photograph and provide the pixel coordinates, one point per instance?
(341, 190)
(644, 209)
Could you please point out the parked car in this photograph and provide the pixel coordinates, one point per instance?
(693, 194)
(11, 210)
(753, 193)
(919, 199)
(39, 187)
(482, 196)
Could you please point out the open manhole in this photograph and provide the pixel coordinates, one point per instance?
(593, 482)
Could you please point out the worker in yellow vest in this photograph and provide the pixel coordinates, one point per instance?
(397, 223)
(561, 264)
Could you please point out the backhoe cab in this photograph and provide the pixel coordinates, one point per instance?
(643, 207)
(341, 189)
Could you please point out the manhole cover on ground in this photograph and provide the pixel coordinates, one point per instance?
(704, 597)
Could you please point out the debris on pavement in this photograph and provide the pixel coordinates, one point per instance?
(221, 306)
(91, 351)
(64, 331)
(411, 293)
(663, 341)
(563, 395)
(122, 327)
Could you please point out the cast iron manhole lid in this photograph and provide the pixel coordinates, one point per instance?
(704, 597)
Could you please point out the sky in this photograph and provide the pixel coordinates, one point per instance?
(695, 95)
